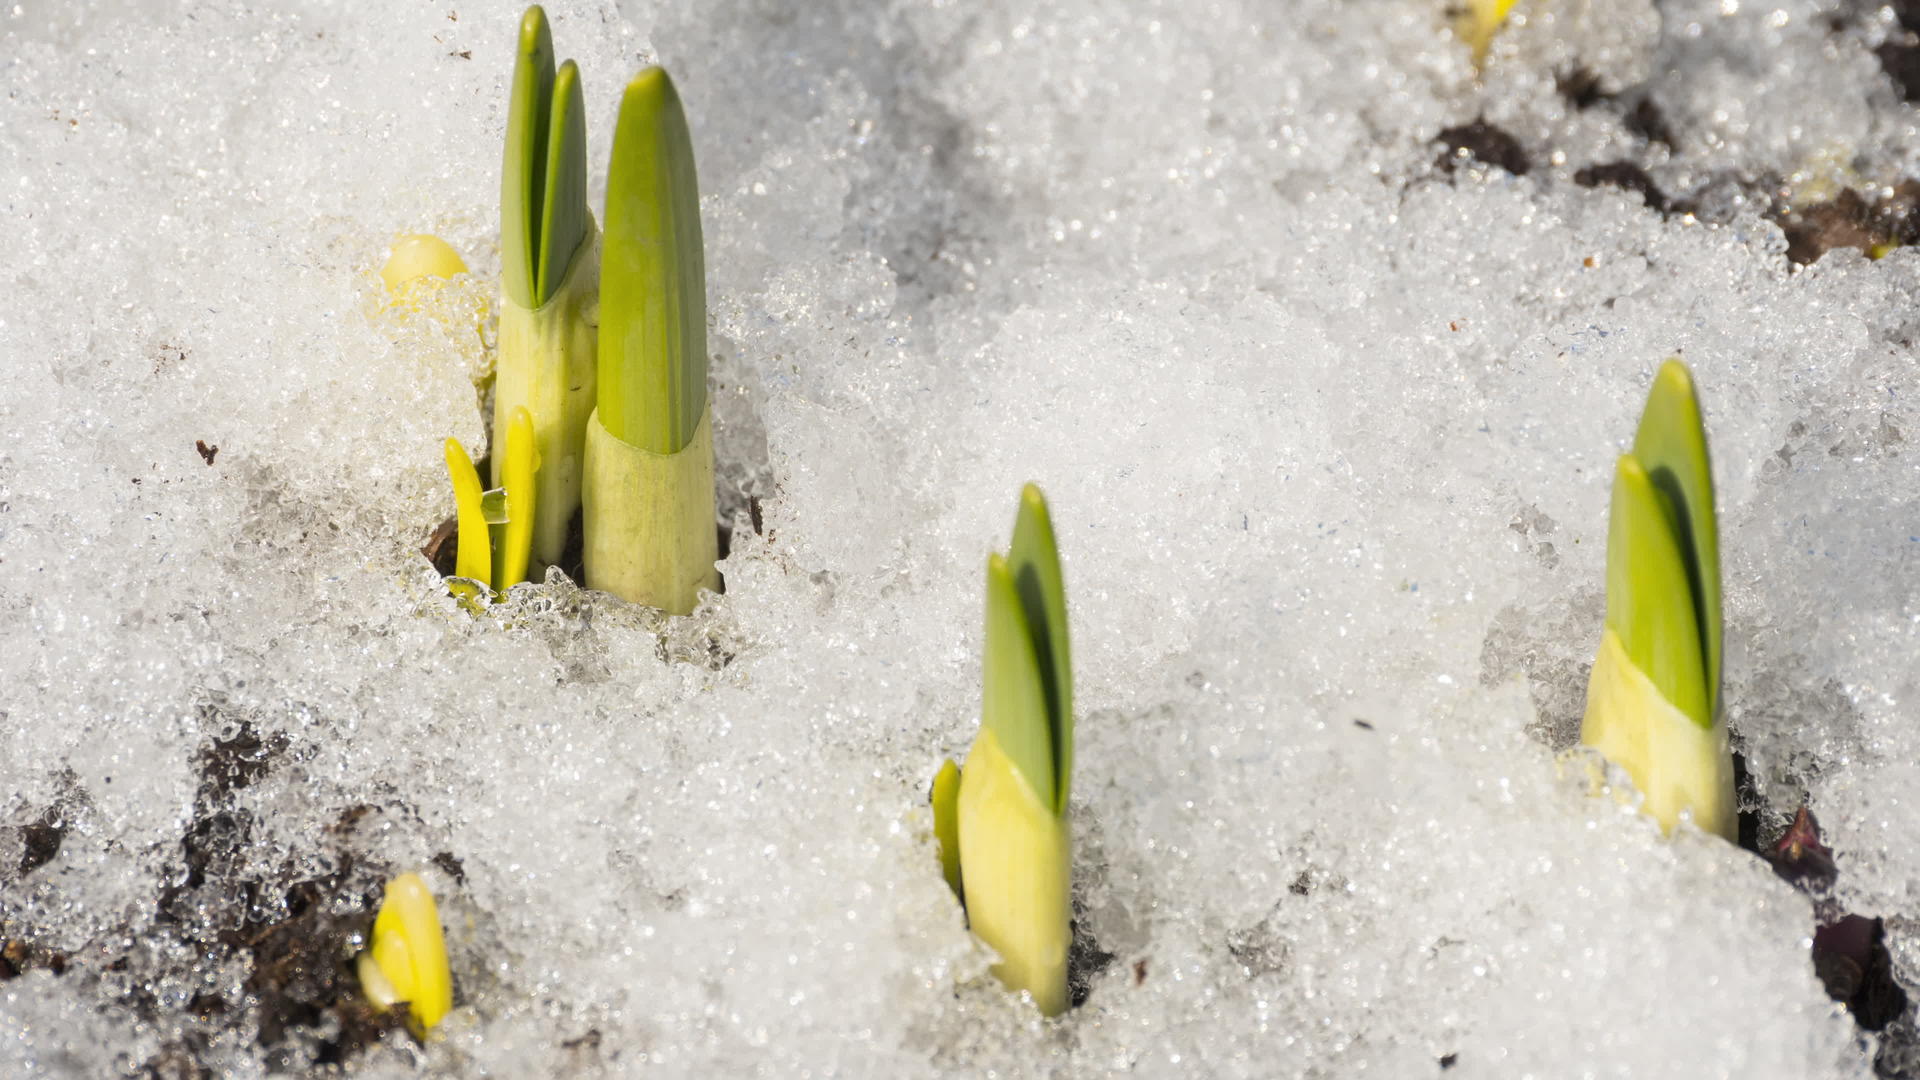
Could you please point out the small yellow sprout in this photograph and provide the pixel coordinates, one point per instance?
(407, 960)
(419, 260)
(1477, 24)
(496, 527)
(473, 559)
(517, 477)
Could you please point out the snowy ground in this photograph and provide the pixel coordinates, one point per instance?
(1327, 432)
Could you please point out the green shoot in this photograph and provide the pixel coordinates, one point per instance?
(653, 289)
(548, 264)
(1009, 820)
(543, 184)
(648, 488)
(1653, 696)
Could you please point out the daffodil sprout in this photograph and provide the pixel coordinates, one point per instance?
(648, 492)
(495, 527)
(548, 270)
(406, 961)
(1002, 820)
(1478, 21)
(1653, 700)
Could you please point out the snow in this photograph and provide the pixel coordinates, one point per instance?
(1327, 434)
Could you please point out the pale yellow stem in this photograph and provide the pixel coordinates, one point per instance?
(650, 535)
(547, 366)
(1679, 765)
(1016, 859)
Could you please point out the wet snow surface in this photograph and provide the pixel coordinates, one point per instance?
(1325, 402)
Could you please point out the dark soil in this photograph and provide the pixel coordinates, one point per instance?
(1085, 958)
(1580, 86)
(291, 932)
(1849, 951)
(1851, 220)
(1647, 120)
(1628, 177)
(1482, 142)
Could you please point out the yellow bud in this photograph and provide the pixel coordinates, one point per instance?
(408, 958)
(416, 256)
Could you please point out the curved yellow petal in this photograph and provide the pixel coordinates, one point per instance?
(474, 558)
(516, 540)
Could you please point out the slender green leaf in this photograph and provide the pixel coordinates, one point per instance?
(1034, 560)
(523, 172)
(1013, 699)
(1649, 596)
(563, 222)
(1672, 445)
(653, 286)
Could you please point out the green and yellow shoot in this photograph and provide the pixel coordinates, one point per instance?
(406, 960)
(547, 271)
(1005, 844)
(648, 490)
(1653, 700)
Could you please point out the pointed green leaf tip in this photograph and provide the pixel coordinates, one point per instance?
(563, 223)
(543, 178)
(653, 276)
(1034, 559)
(1028, 684)
(1663, 562)
(1672, 445)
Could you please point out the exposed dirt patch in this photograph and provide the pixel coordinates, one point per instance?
(1849, 951)
(1482, 142)
(1626, 176)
